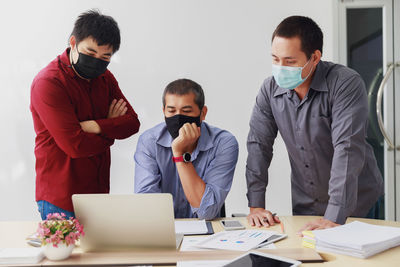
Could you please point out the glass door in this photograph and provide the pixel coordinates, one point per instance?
(366, 44)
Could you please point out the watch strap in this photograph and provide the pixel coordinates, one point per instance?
(177, 159)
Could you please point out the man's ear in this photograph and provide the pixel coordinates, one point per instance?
(203, 113)
(72, 41)
(317, 57)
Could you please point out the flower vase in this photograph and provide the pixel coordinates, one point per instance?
(61, 252)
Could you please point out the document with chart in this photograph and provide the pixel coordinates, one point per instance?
(241, 240)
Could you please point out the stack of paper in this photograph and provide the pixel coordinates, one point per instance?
(357, 239)
(21, 255)
(191, 227)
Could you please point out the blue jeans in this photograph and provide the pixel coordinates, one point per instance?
(46, 208)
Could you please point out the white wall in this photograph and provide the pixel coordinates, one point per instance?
(224, 45)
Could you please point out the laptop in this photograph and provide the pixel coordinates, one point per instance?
(114, 222)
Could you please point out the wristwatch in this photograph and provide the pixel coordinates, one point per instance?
(184, 158)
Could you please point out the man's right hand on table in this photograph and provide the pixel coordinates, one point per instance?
(261, 217)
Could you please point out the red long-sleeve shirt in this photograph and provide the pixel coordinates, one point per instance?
(68, 160)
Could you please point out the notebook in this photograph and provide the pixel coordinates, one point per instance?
(21, 255)
(191, 227)
(188, 227)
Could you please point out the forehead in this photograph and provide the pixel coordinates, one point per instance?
(89, 42)
(179, 101)
(286, 47)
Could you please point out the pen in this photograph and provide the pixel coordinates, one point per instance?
(282, 228)
(35, 243)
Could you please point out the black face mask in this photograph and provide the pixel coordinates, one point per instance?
(89, 67)
(176, 122)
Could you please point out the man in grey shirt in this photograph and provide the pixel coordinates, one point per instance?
(320, 109)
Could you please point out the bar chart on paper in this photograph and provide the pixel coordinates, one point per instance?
(241, 240)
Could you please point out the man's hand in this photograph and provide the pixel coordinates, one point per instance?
(261, 217)
(90, 127)
(185, 142)
(117, 108)
(317, 224)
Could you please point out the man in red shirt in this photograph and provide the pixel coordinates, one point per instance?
(78, 111)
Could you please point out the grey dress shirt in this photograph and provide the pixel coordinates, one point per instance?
(334, 171)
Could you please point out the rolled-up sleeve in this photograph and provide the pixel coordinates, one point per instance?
(147, 173)
(260, 140)
(349, 115)
(218, 178)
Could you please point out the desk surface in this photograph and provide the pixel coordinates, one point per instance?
(13, 234)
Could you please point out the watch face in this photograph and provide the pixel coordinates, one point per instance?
(187, 157)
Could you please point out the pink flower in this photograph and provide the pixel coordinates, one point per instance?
(46, 231)
(56, 229)
(71, 238)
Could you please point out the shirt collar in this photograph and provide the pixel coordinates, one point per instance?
(204, 143)
(318, 82)
(65, 64)
(280, 91)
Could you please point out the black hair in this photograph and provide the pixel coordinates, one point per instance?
(104, 29)
(306, 29)
(184, 87)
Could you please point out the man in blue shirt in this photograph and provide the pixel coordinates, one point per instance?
(185, 156)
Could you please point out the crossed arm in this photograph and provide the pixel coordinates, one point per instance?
(51, 103)
(117, 108)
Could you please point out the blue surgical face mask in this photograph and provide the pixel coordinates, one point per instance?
(289, 77)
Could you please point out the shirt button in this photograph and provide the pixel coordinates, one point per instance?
(311, 183)
(302, 148)
(307, 166)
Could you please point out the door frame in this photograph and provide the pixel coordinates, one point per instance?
(388, 97)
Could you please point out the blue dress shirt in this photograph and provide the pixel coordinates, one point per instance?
(214, 159)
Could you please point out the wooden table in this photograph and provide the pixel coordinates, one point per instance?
(13, 234)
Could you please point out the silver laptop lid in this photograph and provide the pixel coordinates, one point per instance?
(124, 221)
